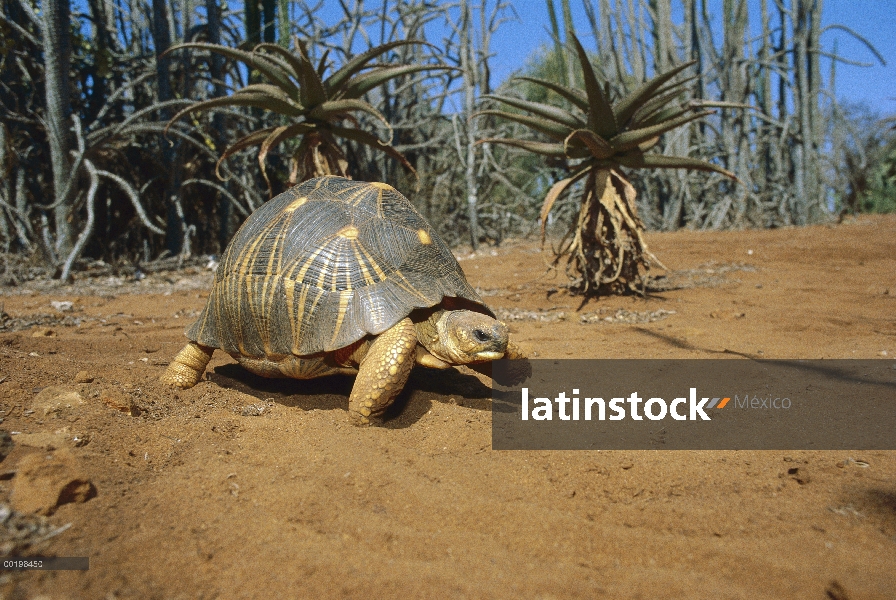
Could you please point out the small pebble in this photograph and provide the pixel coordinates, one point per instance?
(56, 399)
(62, 306)
(252, 410)
(83, 377)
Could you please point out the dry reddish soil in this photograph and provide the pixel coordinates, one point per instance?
(248, 488)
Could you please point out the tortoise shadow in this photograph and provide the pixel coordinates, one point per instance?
(877, 505)
(424, 387)
(880, 504)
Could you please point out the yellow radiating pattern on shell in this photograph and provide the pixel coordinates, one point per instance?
(424, 237)
(295, 204)
(349, 233)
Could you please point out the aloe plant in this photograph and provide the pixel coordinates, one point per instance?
(605, 248)
(315, 105)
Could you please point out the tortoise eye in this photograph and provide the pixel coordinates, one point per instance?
(480, 335)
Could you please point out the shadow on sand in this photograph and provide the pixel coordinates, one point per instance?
(424, 387)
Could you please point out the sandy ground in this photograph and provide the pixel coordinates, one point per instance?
(248, 488)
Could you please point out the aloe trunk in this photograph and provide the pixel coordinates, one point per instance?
(606, 249)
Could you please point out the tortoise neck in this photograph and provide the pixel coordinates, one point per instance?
(426, 324)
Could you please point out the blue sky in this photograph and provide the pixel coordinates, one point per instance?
(873, 19)
(519, 38)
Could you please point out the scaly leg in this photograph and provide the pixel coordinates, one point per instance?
(187, 368)
(383, 372)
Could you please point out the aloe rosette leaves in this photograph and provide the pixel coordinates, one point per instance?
(315, 106)
(605, 248)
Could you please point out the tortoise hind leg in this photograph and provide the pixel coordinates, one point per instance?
(187, 368)
(383, 372)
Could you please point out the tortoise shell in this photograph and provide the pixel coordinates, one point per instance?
(321, 266)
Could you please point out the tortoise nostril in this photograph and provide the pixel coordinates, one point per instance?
(480, 335)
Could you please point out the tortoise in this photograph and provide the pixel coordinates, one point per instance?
(336, 276)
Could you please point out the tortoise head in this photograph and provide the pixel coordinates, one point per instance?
(466, 336)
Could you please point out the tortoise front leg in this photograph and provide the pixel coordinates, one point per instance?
(383, 372)
(187, 368)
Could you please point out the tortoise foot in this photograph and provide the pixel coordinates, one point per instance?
(383, 373)
(187, 368)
